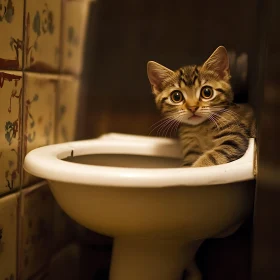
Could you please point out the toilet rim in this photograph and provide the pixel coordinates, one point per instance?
(46, 162)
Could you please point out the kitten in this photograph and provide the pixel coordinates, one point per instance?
(213, 130)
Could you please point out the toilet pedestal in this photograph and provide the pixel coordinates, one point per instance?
(153, 259)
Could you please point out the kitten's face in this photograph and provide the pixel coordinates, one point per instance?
(192, 94)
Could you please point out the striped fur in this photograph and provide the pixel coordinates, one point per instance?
(212, 130)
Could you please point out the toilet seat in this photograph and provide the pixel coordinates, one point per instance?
(56, 169)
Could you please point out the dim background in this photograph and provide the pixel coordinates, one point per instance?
(84, 74)
(177, 33)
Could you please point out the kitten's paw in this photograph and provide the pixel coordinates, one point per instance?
(200, 163)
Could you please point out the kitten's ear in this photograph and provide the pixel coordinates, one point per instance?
(157, 74)
(218, 62)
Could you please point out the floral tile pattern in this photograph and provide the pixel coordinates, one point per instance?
(11, 30)
(67, 109)
(73, 34)
(36, 227)
(42, 35)
(10, 119)
(8, 233)
(40, 91)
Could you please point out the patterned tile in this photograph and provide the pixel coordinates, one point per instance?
(11, 30)
(8, 236)
(67, 109)
(36, 228)
(40, 92)
(10, 120)
(73, 35)
(42, 35)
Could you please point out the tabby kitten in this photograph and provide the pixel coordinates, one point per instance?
(213, 130)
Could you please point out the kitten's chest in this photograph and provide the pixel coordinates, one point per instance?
(200, 136)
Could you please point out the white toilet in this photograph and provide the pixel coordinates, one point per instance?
(133, 189)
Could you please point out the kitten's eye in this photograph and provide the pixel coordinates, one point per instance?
(176, 96)
(206, 92)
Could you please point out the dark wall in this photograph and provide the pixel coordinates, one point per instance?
(266, 243)
(174, 33)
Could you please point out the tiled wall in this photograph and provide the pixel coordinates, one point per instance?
(41, 49)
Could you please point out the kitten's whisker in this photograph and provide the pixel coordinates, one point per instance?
(165, 123)
(161, 120)
(228, 109)
(163, 127)
(176, 124)
(173, 123)
(181, 113)
(167, 117)
(217, 110)
(224, 111)
(165, 132)
(229, 114)
(171, 128)
(213, 120)
(220, 118)
(160, 124)
(232, 113)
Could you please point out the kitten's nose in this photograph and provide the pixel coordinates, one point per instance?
(193, 109)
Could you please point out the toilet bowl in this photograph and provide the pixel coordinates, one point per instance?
(132, 188)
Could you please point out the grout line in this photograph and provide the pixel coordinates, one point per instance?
(22, 130)
(61, 45)
(23, 35)
(21, 143)
(14, 191)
